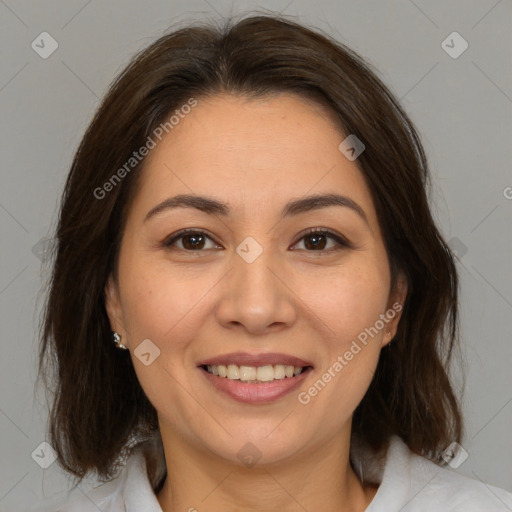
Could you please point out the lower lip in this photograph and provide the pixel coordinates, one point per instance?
(256, 393)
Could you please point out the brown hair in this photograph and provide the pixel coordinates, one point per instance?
(98, 401)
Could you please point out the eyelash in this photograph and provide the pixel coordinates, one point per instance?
(342, 242)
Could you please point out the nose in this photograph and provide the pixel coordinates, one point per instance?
(257, 296)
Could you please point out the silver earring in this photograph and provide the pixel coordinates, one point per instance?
(117, 341)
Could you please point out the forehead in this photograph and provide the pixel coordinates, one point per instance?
(252, 153)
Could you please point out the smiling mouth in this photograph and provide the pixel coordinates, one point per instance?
(255, 374)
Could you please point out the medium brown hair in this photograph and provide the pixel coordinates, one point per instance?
(98, 401)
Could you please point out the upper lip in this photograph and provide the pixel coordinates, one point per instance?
(245, 359)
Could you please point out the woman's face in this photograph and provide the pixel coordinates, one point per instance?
(253, 289)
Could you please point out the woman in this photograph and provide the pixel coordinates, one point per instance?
(251, 306)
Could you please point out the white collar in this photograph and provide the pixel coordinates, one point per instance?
(407, 482)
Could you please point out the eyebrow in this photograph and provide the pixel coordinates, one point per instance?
(212, 206)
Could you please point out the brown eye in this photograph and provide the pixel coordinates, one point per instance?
(193, 242)
(315, 241)
(322, 241)
(190, 240)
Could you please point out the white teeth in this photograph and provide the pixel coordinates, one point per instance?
(247, 373)
(266, 373)
(279, 372)
(233, 372)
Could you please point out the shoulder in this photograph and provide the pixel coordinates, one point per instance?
(413, 483)
(130, 491)
(107, 497)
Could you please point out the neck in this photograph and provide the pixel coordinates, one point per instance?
(320, 476)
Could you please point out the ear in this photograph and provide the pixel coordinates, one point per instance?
(113, 306)
(395, 307)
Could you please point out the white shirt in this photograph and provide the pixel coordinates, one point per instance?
(407, 483)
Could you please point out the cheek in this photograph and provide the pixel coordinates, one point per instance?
(346, 301)
(157, 302)
(158, 306)
(337, 400)
(347, 305)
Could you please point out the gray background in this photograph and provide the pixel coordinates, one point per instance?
(461, 106)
